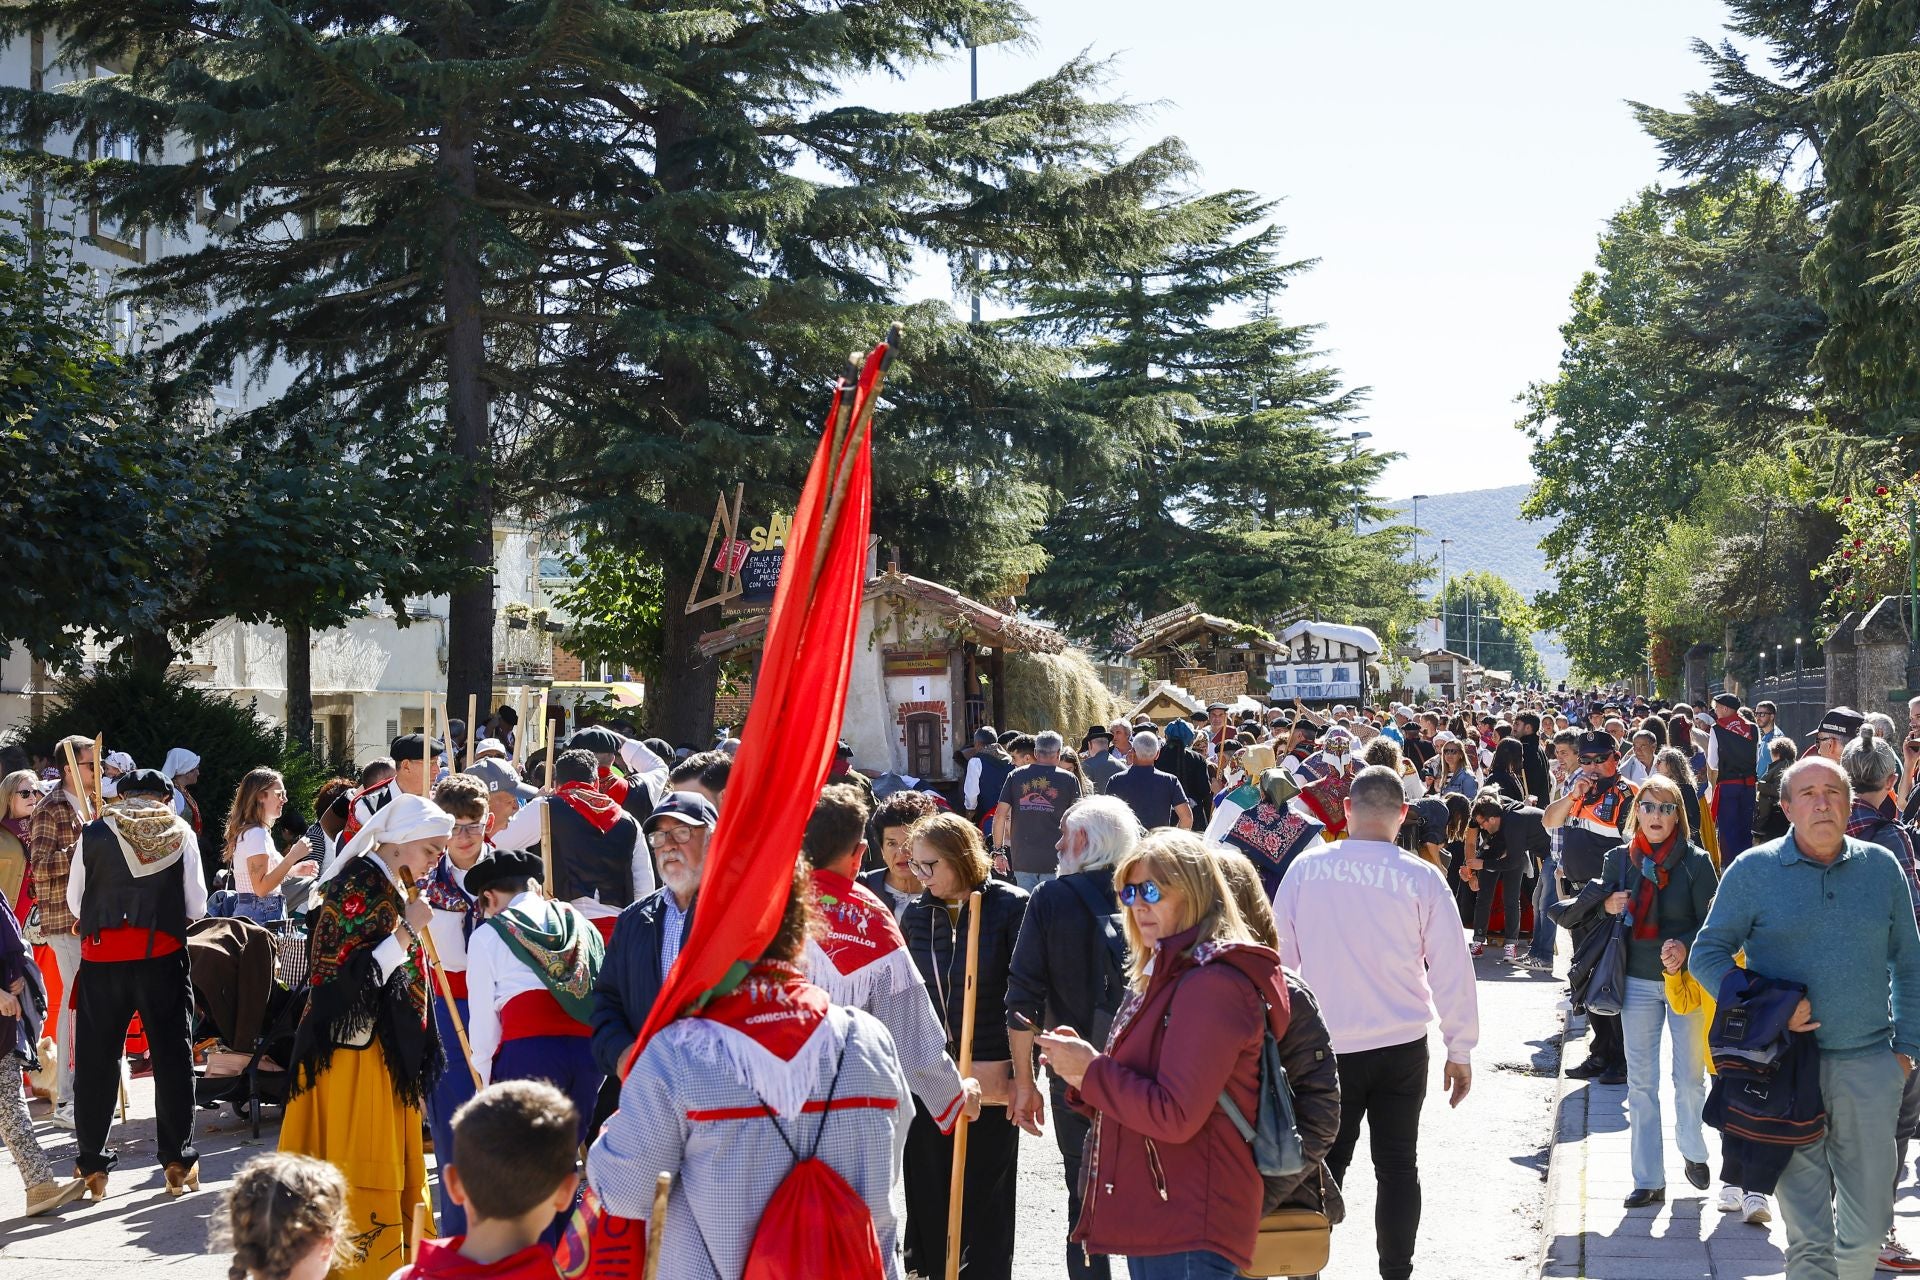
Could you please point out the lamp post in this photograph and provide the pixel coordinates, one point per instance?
(1444, 583)
(1416, 526)
(1353, 451)
(1797, 668)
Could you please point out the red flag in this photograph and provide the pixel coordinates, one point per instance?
(798, 698)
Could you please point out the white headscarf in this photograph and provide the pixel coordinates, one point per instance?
(408, 817)
(179, 761)
(121, 761)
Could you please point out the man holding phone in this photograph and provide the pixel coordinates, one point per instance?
(1591, 818)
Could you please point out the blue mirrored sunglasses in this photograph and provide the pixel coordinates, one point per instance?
(1132, 893)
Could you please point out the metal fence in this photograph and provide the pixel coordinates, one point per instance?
(1800, 698)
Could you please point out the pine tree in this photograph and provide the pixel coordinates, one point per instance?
(1219, 480)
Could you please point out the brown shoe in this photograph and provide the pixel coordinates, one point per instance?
(182, 1178)
(45, 1197)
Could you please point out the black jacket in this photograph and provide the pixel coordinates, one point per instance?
(939, 952)
(630, 979)
(1522, 840)
(1306, 1051)
(1194, 780)
(1533, 771)
(1064, 972)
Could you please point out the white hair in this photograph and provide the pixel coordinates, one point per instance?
(1048, 743)
(1110, 826)
(1146, 743)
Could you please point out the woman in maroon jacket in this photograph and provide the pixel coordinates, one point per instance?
(1168, 1181)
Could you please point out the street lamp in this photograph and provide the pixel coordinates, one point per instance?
(1445, 583)
(1416, 526)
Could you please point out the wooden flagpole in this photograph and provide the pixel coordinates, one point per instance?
(957, 1185)
(85, 793)
(473, 725)
(656, 1226)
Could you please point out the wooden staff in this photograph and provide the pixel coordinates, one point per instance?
(473, 724)
(99, 774)
(520, 727)
(546, 733)
(956, 1186)
(412, 1247)
(426, 748)
(546, 816)
(83, 793)
(656, 1226)
(453, 1010)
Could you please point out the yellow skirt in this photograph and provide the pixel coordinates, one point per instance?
(351, 1119)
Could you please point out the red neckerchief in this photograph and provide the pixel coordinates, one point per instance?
(1734, 724)
(442, 1260)
(1655, 866)
(353, 809)
(775, 1007)
(613, 786)
(593, 805)
(860, 928)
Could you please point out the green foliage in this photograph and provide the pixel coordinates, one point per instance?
(1871, 555)
(147, 714)
(1492, 623)
(613, 604)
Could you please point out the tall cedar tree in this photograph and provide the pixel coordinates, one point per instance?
(402, 200)
(1218, 479)
(140, 521)
(777, 231)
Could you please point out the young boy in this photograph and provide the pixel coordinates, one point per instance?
(515, 1165)
(454, 917)
(531, 968)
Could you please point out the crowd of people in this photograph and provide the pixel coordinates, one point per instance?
(1127, 942)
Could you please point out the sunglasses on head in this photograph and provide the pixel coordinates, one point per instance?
(1146, 891)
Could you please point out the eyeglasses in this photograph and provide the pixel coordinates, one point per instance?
(1663, 808)
(1146, 891)
(671, 835)
(925, 869)
(470, 829)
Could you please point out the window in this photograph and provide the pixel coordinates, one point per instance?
(122, 238)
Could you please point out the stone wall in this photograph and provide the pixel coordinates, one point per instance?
(1866, 659)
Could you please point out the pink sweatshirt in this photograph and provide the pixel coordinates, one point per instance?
(1375, 934)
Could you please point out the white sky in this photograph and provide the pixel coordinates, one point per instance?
(1450, 165)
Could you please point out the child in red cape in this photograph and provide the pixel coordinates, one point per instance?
(515, 1165)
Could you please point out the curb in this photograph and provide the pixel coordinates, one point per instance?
(1568, 1136)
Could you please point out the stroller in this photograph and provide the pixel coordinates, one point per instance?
(244, 1013)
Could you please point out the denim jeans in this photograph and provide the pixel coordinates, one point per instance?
(1196, 1264)
(1545, 931)
(1833, 1195)
(1640, 1023)
(1031, 880)
(251, 906)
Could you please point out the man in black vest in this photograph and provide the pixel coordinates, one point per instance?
(134, 886)
(1733, 759)
(600, 864)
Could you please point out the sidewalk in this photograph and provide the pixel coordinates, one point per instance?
(1588, 1233)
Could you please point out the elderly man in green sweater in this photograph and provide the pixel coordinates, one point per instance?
(1819, 907)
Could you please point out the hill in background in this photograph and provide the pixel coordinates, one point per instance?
(1488, 534)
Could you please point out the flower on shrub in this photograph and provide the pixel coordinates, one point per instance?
(1870, 558)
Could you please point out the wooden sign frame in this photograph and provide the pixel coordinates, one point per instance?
(730, 584)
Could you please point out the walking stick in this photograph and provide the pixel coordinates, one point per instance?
(85, 794)
(546, 806)
(956, 1186)
(99, 775)
(473, 724)
(453, 1010)
(419, 1231)
(656, 1225)
(426, 750)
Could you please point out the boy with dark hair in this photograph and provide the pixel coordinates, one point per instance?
(515, 1165)
(600, 863)
(703, 773)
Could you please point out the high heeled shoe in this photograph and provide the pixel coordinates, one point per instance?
(182, 1178)
(96, 1184)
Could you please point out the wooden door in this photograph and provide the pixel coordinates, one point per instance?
(923, 744)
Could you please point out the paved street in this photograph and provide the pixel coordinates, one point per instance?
(1483, 1168)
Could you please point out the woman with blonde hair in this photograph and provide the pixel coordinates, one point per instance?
(1179, 1194)
(947, 856)
(19, 793)
(1665, 883)
(258, 869)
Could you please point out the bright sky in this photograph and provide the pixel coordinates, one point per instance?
(1450, 165)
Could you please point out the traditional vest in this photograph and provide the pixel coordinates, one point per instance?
(1738, 755)
(589, 863)
(116, 898)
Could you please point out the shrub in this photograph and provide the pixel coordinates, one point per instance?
(146, 714)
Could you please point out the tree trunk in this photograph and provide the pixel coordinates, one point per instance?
(469, 607)
(146, 651)
(300, 685)
(680, 697)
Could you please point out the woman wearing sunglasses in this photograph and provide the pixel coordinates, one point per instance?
(1174, 1185)
(1454, 773)
(946, 854)
(1664, 883)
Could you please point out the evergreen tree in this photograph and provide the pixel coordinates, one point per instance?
(1219, 479)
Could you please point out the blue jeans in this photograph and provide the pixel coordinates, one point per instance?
(1197, 1264)
(250, 906)
(1031, 880)
(1640, 1024)
(1545, 931)
(1833, 1195)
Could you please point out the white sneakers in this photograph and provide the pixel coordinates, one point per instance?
(61, 1117)
(1750, 1205)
